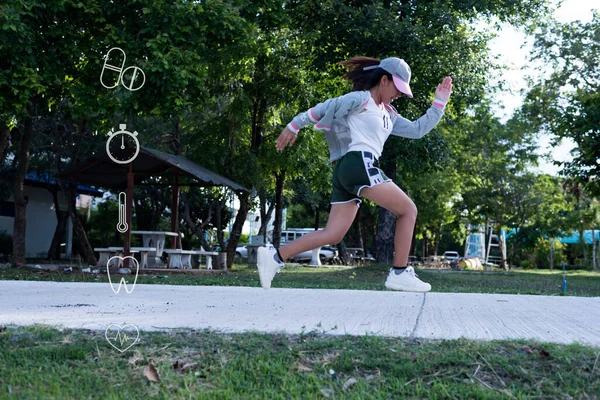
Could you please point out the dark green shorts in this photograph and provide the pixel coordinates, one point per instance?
(353, 172)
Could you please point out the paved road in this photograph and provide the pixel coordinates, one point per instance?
(237, 309)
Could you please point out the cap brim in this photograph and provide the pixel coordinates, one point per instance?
(402, 86)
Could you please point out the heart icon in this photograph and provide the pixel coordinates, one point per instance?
(122, 282)
(122, 336)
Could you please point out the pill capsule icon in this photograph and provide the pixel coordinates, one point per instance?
(110, 78)
(140, 76)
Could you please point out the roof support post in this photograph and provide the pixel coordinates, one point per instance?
(128, 211)
(175, 212)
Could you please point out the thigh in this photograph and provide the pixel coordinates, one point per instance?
(389, 196)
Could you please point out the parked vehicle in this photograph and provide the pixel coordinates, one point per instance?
(326, 254)
(241, 251)
(289, 235)
(451, 256)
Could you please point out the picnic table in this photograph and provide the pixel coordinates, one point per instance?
(183, 258)
(154, 239)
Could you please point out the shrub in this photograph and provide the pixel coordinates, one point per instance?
(527, 264)
(542, 253)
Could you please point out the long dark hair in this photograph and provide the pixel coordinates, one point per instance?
(361, 79)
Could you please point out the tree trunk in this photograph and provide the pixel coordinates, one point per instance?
(584, 246)
(386, 223)
(413, 246)
(71, 194)
(551, 254)
(220, 205)
(384, 236)
(317, 219)
(594, 248)
(236, 230)
(597, 252)
(341, 246)
(20, 222)
(265, 214)
(198, 229)
(359, 227)
(503, 262)
(279, 181)
(61, 216)
(4, 142)
(438, 231)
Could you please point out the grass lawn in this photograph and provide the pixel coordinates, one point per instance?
(372, 277)
(42, 362)
(46, 363)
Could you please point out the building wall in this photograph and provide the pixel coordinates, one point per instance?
(41, 220)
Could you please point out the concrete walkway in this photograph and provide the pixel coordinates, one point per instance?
(238, 309)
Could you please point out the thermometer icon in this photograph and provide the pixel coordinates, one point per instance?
(122, 225)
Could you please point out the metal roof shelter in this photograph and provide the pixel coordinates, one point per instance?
(101, 171)
(150, 167)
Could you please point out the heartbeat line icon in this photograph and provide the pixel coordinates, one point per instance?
(124, 335)
(121, 338)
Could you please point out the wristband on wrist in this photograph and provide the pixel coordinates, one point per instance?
(293, 127)
(439, 103)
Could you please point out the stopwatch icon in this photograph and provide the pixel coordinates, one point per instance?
(122, 146)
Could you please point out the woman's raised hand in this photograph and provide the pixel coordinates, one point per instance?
(286, 137)
(444, 89)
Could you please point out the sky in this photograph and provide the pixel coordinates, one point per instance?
(514, 48)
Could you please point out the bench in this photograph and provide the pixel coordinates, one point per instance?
(105, 255)
(143, 254)
(183, 258)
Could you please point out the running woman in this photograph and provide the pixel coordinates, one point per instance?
(356, 126)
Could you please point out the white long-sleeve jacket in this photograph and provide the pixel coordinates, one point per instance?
(331, 116)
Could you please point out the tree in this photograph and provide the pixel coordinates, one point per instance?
(32, 77)
(491, 161)
(566, 103)
(204, 210)
(436, 42)
(55, 67)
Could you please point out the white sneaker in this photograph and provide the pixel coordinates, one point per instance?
(406, 281)
(267, 266)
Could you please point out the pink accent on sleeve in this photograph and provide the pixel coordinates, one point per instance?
(438, 105)
(363, 104)
(311, 112)
(293, 127)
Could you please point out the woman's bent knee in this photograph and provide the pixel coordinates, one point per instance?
(413, 210)
(408, 210)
